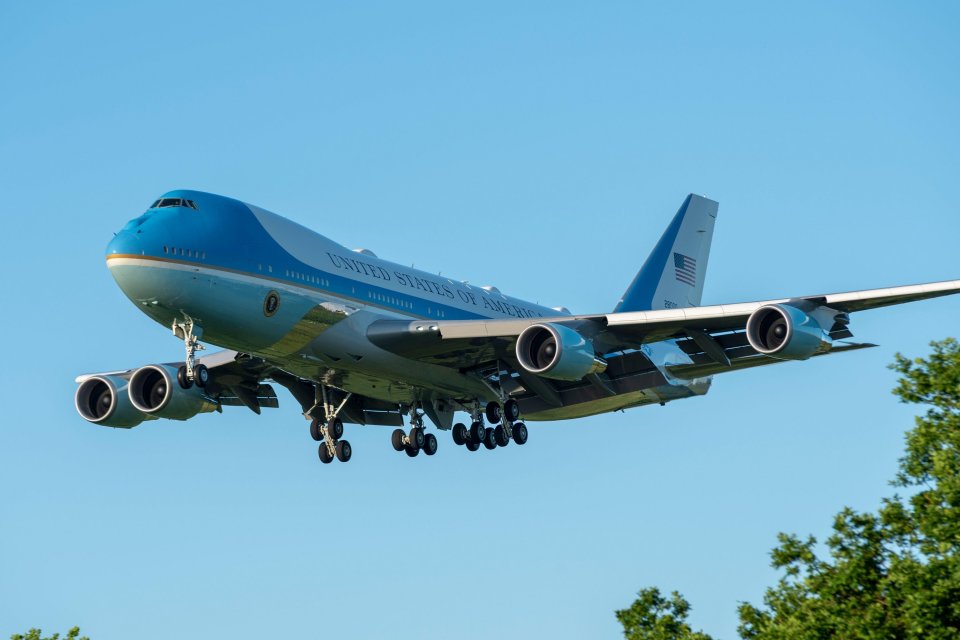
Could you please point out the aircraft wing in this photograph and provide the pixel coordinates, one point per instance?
(716, 331)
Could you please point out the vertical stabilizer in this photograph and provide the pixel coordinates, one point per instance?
(673, 274)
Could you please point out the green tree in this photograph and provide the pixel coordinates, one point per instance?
(34, 634)
(893, 574)
(654, 617)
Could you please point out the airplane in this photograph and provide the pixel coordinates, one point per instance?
(359, 340)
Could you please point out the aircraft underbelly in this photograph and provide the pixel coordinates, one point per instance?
(322, 338)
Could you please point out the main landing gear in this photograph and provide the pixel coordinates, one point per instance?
(415, 440)
(190, 372)
(329, 430)
(504, 415)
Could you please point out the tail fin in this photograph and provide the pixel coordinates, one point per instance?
(673, 275)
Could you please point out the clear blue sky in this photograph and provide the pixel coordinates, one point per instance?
(541, 148)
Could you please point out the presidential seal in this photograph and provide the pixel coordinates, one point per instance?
(271, 303)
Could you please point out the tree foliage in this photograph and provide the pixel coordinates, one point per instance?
(34, 634)
(654, 617)
(893, 574)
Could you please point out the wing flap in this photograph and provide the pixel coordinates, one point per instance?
(747, 360)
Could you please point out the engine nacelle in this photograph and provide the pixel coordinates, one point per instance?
(558, 352)
(154, 390)
(786, 332)
(104, 400)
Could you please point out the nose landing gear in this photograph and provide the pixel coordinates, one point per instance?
(190, 373)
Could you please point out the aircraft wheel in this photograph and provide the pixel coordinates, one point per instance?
(335, 428)
(500, 436)
(460, 434)
(511, 409)
(201, 375)
(412, 451)
(324, 453)
(489, 439)
(430, 444)
(416, 437)
(344, 451)
(397, 439)
(315, 430)
(520, 433)
(476, 432)
(472, 445)
(185, 382)
(493, 413)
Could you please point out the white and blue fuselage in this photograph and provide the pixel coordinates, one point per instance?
(257, 283)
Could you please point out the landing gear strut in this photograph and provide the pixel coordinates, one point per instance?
(416, 439)
(190, 372)
(329, 430)
(504, 415)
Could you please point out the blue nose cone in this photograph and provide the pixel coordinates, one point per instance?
(125, 243)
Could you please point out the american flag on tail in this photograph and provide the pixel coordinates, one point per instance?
(686, 268)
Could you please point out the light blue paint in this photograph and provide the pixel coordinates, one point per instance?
(639, 295)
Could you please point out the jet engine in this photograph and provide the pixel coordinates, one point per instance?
(154, 390)
(104, 400)
(786, 332)
(558, 352)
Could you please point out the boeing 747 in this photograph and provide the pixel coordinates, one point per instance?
(359, 340)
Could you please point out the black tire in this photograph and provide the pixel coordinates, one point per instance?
(344, 451)
(315, 430)
(500, 436)
(493, 413)
(476, 432)
(489, 440)
(335, 428)
(511, 409)
(430, 444)
(472, 445)
(460, 434)
(324, 453)
(185, 382)
(397, 439)
(411, 451)
(520, 433)
(416, 437)
(201, 375)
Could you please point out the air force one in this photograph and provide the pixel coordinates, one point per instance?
(359, 340)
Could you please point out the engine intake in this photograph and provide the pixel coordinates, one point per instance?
(154, 390)
(103, 400)
(558, 352)
(786, 332)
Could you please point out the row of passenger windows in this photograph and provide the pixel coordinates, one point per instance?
(187, 253)
(306, 277)
(397, 302)
(372, 295)
(174, 202)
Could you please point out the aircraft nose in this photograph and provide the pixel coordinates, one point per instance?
(124, 242)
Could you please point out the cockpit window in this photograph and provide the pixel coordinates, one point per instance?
(174, 202)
